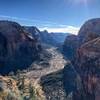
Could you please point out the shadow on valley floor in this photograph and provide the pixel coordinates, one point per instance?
(53, 86)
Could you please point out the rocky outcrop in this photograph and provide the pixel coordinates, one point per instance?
(43, 36)
(70, 46)
(34, 31)
(89, 30)
(88, 66)
(69, 78)
(18, 49)
(72, 82)
(87, 62)
(53, 86)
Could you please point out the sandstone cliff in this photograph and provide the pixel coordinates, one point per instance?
(18, 49)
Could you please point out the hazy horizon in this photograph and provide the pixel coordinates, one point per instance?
(52, 15)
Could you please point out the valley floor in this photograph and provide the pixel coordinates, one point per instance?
(56, 63)
(50, 78)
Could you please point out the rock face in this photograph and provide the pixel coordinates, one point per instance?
(86, 63)
(43, 36)
(72, 82)
(89, 31)
(17, 47)
(88, 59)
(70, 76)
(34, 31)
(70, 46)
(88, 66)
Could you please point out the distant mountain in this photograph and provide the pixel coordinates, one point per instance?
(50, 39)
(47, 38)
(59, 37)
(54, 39)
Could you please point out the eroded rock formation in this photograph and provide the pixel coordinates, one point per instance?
(70, 46)
(87, 63)
(18, 49)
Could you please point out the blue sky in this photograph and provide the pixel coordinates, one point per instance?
(53, 15)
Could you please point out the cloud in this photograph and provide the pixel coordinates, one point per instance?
(13, 18)
(45, 25)
(28, 20)
(67, 29)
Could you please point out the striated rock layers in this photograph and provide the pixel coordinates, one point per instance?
(86, 63)
(88, 66)
(89, 31)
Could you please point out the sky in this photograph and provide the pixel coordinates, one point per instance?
(52, 15)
